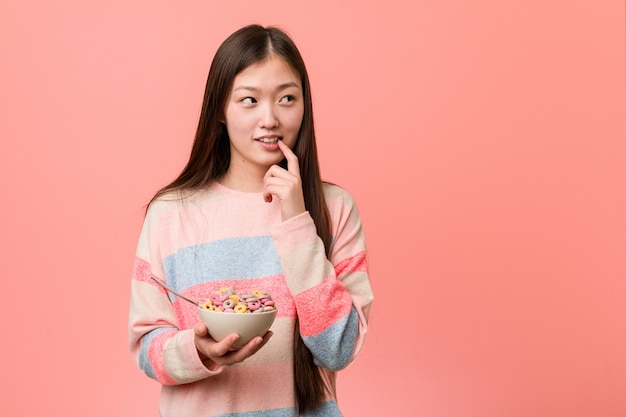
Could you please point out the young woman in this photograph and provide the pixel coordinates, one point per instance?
(249, 210)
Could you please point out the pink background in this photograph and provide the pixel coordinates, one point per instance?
(484, 141)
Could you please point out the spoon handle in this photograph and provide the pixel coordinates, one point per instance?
(162, 284)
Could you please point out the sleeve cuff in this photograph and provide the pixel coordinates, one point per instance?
(193, 361)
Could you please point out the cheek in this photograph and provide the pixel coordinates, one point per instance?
(294, 121)
(237, 123)
(294, 124)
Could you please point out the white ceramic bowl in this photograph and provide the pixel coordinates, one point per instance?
(247, 325)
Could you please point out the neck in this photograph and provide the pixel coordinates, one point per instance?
(243, 180)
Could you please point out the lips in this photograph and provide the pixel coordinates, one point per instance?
(268, 139)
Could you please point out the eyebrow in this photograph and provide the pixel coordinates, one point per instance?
(279, 88)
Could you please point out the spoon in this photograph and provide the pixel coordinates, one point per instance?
(162, 284)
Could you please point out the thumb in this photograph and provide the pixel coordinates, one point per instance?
(200, 329)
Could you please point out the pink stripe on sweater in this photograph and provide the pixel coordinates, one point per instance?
(155, 355)
(322, 306)
(142, 271)
(356, 263)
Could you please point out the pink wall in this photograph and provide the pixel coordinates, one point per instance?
(484, 141)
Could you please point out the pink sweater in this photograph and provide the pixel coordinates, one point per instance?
(221, 238)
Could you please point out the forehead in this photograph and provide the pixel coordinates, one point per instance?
(272, 70)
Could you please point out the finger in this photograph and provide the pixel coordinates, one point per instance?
(200, 329)
(292, 159)
(260, 342)
(274, 172)
(251, 347)
(277, 176)
(266, 338)
(272, 191)
(225, 346)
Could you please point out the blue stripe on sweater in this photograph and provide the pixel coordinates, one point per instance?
(327, 409)
(333, 347)
(144, 360)
(236, 258)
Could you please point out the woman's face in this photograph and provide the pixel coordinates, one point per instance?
(265, 105)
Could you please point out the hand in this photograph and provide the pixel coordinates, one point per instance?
(214, 353)
(285, 184)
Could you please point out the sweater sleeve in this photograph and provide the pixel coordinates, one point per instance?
(333, 297)
(159, 347)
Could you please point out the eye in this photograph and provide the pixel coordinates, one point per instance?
(248, 100)
(287, 99)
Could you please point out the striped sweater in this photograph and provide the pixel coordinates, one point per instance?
(221, 238)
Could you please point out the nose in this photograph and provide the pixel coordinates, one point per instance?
(268, 117)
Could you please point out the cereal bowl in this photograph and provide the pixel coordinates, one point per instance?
(247, 326)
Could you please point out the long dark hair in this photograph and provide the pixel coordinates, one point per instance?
(210, 158)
